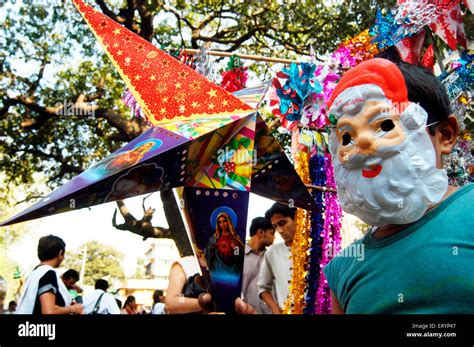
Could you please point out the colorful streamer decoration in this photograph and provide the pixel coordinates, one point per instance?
(135, 109)
(295, 304)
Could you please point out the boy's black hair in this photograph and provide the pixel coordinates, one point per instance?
(259, 223)
(71, 274)
(102, 284)
(423, 88)
(279, 208)
(49, 247)
(156, 295)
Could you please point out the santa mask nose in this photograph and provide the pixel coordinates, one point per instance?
(364, 142)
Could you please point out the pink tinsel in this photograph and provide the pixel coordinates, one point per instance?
(329, 75)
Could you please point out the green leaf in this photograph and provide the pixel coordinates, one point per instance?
(233, 144)
(245, 142)
(222, 180)
(241, 179)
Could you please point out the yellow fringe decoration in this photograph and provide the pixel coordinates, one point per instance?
(295, 302)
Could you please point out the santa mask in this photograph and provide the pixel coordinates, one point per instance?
(384, 160)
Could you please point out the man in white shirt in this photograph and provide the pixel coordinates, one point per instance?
(275, 273)
(262, 235)
(105, 302)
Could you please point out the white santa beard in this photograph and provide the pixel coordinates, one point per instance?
(402, 192)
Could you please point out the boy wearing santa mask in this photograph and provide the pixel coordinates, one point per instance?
(391, 126)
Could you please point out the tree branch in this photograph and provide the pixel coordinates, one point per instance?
(29, 198)
(66, 167)
(34, 85)
(128, 129)
(144, 227)
(146, 25)
(105, 10)
(44, 113)
(177, 15)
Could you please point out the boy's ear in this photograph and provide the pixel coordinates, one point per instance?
(446, 135)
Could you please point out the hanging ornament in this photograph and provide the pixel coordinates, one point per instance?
(235, 76)
(459, 82)
(186, 58)
(204, 65)
(135, 109)
(361, 46)
(449, 27)
(410, 48)
(297, 93)
(428, 60)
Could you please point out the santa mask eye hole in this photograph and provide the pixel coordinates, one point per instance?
(387, 125)
(346, 139)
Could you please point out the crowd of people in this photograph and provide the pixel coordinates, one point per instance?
(47, 292)
(264, 284)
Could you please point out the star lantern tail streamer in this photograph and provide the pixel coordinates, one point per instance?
(295, 304)
(331, 237)
(318, 178)
(204, 64)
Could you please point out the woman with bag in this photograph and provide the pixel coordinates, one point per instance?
(185, 285)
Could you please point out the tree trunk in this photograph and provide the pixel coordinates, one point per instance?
(173, 216)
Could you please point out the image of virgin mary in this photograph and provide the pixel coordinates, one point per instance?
(224, 252)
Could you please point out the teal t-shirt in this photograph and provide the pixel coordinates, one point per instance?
(427, 268)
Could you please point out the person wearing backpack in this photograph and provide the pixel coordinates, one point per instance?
(99, 301)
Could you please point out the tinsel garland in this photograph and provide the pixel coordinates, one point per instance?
(331, 235)
(135, 109)
(295, 302)
(459, 83)
(318, 178)
(361, 46)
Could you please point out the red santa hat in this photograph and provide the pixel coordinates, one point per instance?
(377, 71)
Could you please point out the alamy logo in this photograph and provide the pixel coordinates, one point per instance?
(37, 330)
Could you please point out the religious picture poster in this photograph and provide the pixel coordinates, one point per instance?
(217, 219)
